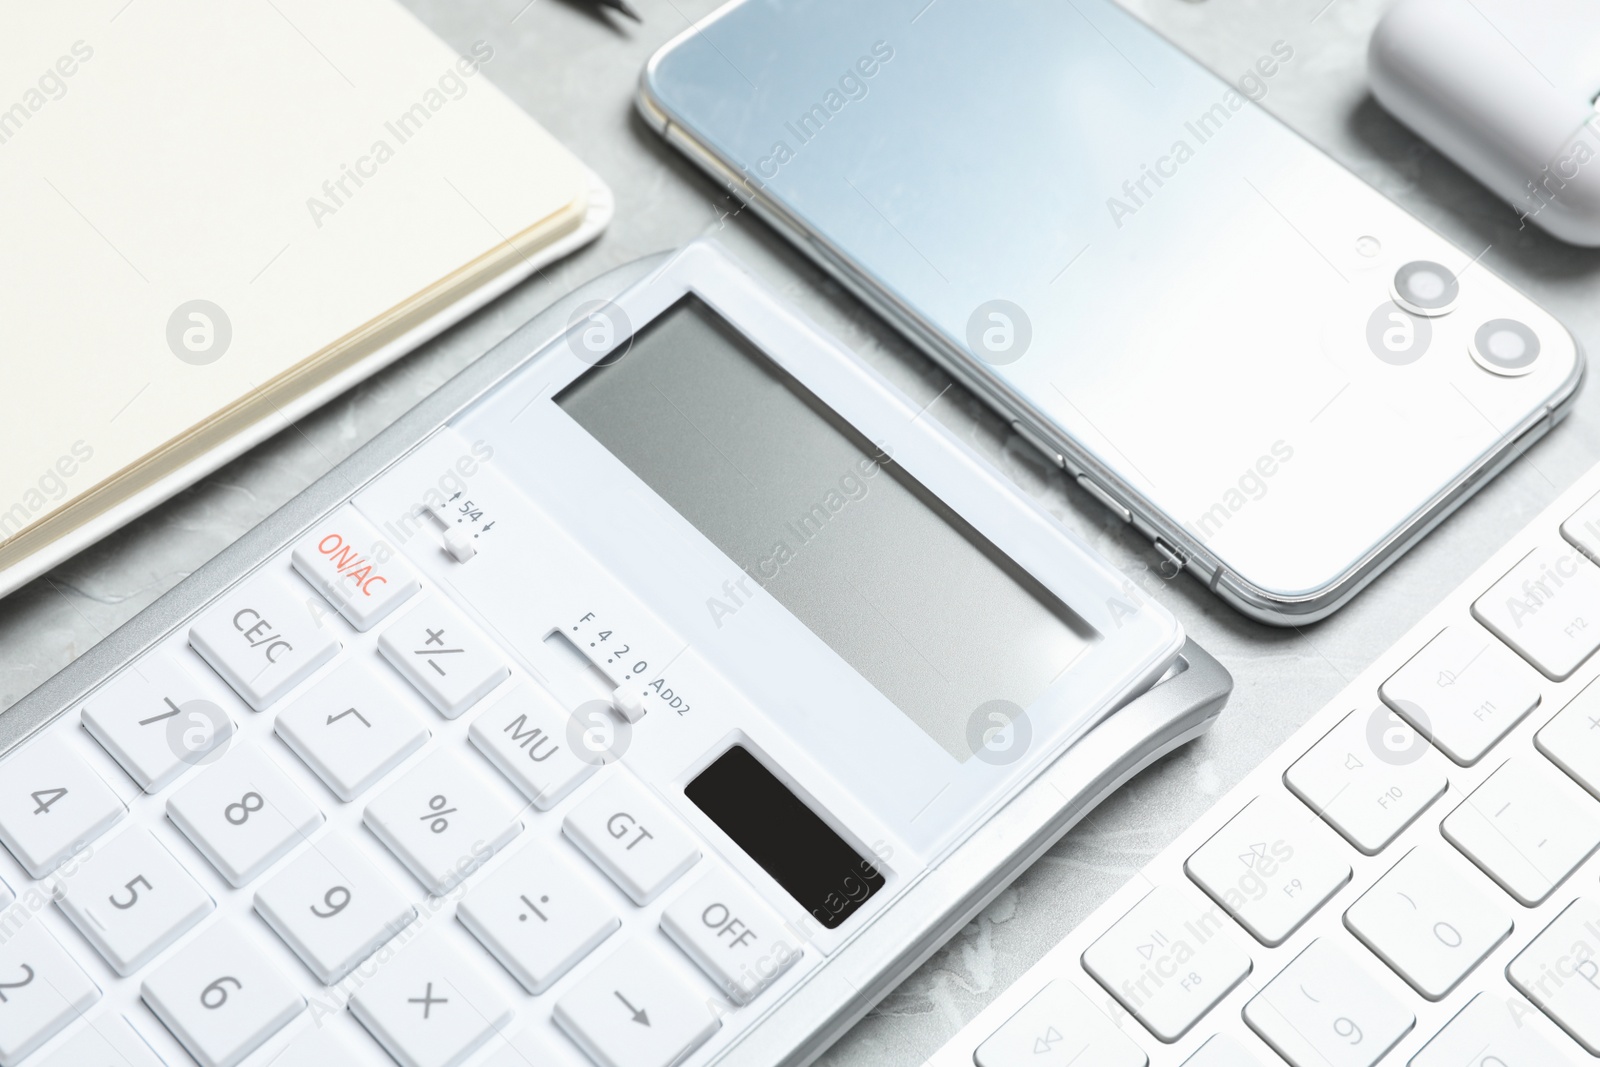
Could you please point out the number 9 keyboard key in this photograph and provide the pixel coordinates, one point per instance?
(220, 997)
(243, 814)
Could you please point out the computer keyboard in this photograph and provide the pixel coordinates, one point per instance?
(272, 816)
(1410, 879)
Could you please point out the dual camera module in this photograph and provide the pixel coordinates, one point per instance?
(1506, 347)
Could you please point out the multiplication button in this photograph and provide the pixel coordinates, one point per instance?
(430, 1006)
(264, 639)
(350, 564)
(447, 658)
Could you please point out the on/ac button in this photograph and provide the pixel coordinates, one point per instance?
(354, 568)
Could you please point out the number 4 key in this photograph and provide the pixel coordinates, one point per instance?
(52, 804)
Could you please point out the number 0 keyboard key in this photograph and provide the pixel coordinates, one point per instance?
(220, 997)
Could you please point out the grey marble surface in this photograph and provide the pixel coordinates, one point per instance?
(575, 71)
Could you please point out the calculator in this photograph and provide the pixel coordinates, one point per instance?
(661, 690)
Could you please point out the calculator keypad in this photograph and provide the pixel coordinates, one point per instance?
(584, 913)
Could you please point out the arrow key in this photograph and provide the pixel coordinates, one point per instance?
(639, 1009)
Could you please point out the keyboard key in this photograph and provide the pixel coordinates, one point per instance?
(1272, 866)
(106, 1042)
(443, 819)
(41, 989)
(156, 721)
(1572, 739)
(1527, 826)
(631, 836)
(1168, 960)
(1323, 1010)
(1059, 1026)
(525, 734)
(52, 803)
(1428, 921)
(130, 899)
(1222, 1051)
(1547, 608)
(430, 1006)
(352, 728)
(741, 943)
(1582, 528)
(1464, 691)
(243, 814)
(359, 573)
(529, 1048)
(220, 997)
(333, 907)
(538, 915)
(264, 638)
(444, 656)
(1369, 777)
(638, 1009)
(1490, 1031)
(321, 1045)
(1559, 972)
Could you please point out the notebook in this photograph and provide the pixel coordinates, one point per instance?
(220, 215)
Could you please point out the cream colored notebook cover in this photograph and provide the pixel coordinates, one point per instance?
(213, 208)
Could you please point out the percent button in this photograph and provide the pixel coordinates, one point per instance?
(443, 819)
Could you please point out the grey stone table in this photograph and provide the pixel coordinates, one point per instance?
(575, 71)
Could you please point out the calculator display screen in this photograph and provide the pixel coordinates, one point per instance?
(775, 828)
(950, 630)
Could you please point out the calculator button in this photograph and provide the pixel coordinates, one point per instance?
(1058, 1026)
(41, 990)
(264, 638)
(1428, 921)
(359, 573)
(1559, 972)
(1572, 739)
(52, 804)
(741, 944)
(1547, 608)
(444, 656)
(1168, 961)
(220, 997)
(1323, 1010)
(325, 1046)
(352, 728)
(106, 1042)
(1488, 1032)
(333, 908)
(637, 1009)
(156, 721)
(538, 915)
(1464, 691)
(526, 734)
(1369, 777)
(631, 836)
(1272, 866)
(1527, 826)
(130, 899)
(443, 819)
(1222, 1051)
(243, 814)
(1582, 528)
(430, 1006)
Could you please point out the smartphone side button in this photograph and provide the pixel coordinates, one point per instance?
(1093, 488)
(1039, 443)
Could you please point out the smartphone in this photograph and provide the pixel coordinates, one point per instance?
(1272, 371)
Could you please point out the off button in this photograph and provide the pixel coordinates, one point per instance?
(730, 932)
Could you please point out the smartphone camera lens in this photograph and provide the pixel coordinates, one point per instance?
(1423, 287)
(1505, 346)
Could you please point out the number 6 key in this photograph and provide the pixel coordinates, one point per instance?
(220, 997)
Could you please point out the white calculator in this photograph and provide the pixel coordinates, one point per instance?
(661, 690)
